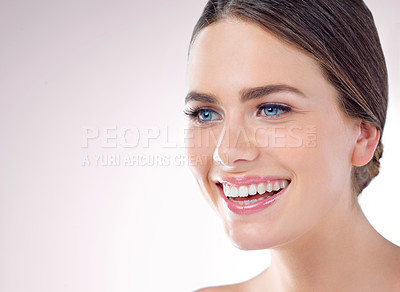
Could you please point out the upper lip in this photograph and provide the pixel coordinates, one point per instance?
(249, 179)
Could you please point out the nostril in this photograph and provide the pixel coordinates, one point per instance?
(231, 156)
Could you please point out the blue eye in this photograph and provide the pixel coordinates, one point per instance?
(205, 115)
(202, 115)
(273, 109)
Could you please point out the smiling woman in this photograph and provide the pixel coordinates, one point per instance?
(291, 98)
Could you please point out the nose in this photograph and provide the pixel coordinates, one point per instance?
(236, 147)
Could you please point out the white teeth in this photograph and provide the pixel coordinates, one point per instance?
(261, 188)
(243, 191)
(234, 192)
(227, 191)
(252, 190)
(269, 187)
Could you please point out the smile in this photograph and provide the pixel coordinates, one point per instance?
(246, 195)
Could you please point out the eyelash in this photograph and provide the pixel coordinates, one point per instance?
(193, 113)
(283, 108)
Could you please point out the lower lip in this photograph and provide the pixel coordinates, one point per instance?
(252, 208)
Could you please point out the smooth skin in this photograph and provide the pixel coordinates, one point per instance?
(318, 236)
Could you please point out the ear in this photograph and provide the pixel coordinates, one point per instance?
(366, 143)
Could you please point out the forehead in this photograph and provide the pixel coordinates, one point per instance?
(230, 55)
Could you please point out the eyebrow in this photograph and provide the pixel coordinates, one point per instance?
(245, 94)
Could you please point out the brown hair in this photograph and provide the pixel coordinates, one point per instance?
(341, 36)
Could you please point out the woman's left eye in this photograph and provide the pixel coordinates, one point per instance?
(273, 109)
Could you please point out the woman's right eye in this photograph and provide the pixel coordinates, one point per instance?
(206, 115)
(202, 115)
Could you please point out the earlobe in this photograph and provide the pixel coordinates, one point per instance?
(366, 144)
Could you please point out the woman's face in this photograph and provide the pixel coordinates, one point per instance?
(270, 149)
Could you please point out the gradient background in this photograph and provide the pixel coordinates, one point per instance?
(70, 65)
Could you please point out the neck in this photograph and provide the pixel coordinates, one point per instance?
(335, 254)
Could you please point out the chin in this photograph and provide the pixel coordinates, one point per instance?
(250, 239)
(250, 243)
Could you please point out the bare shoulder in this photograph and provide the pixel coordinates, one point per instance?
(395, 286)
(392, 271)
(246, 286)
(226, 288)
(209, 289)
(396, 276)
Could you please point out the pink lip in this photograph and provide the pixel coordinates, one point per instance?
(257, 206)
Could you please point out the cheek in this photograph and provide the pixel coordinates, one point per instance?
(320, 176)
(318, 159)
(322, 165)
(285, 138)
